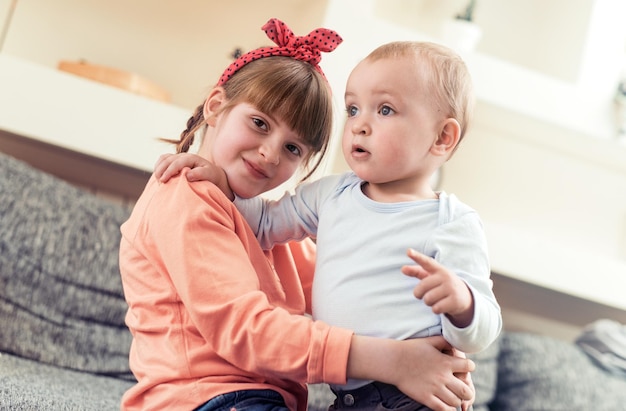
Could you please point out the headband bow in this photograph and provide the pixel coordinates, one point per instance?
(306, 48)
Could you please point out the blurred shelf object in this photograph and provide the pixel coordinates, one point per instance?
(131, 82)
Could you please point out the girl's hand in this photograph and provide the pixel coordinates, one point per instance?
(422, 368)
(170, 165)
(441, 289)
(466, 377)
(442, 379)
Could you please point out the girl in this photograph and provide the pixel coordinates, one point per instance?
(218, 323)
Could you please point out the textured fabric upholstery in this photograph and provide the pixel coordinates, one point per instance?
(30, 385)
(61, 300)
(542, 373)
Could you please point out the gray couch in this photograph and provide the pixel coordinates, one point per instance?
(64, 345)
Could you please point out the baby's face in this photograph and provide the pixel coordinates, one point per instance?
(392, 120)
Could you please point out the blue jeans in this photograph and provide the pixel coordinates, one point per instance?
(246, 400)
(375, 396)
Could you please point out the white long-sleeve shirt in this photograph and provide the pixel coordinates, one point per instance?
(361, 246)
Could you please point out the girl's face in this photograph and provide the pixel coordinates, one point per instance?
(258, 152)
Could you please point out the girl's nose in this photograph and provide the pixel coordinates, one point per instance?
(270, 152)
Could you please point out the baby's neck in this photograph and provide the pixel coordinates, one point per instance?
(395, 193)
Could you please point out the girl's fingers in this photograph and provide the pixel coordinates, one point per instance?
(457, 390)
(441, 345)
(172, 170)
(161, 165)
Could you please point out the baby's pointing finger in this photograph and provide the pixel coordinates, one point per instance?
(422, 259)
(414, 271)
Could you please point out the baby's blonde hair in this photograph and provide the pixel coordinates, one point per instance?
(451, 83)
(283, 87)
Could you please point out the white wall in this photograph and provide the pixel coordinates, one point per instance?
(182, 45)
(524, 32)
(514, 169)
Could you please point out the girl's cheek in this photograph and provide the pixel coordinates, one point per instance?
(289, 171)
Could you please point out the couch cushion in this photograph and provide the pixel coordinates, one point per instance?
(486, 375)
(29, 385)
(61, 299)
(542, 373)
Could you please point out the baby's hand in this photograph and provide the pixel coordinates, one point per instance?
(170, 165)
(442, 290)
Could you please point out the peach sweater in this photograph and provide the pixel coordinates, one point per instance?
(210, 312)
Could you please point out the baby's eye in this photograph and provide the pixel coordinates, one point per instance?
(386, 111)
(294, 149)
(352, 111)
(259, 123)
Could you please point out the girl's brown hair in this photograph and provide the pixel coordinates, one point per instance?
(286, 88)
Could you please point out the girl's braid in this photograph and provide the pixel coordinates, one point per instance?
(195, 122)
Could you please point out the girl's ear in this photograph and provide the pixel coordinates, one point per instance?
(448, 138)
(213, 105)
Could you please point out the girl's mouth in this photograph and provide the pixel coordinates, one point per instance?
(255, 170)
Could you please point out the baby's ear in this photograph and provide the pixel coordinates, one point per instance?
(448, 138)
(213, 105)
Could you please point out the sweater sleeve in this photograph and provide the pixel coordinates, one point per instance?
(241, 302)
(460, 245)
(293, 216)
(304, 255)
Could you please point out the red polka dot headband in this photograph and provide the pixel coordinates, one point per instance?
(306, 48)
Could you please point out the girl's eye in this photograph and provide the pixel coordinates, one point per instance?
(294, 149)
(352, 111)
(386, 111)
(259, 123)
